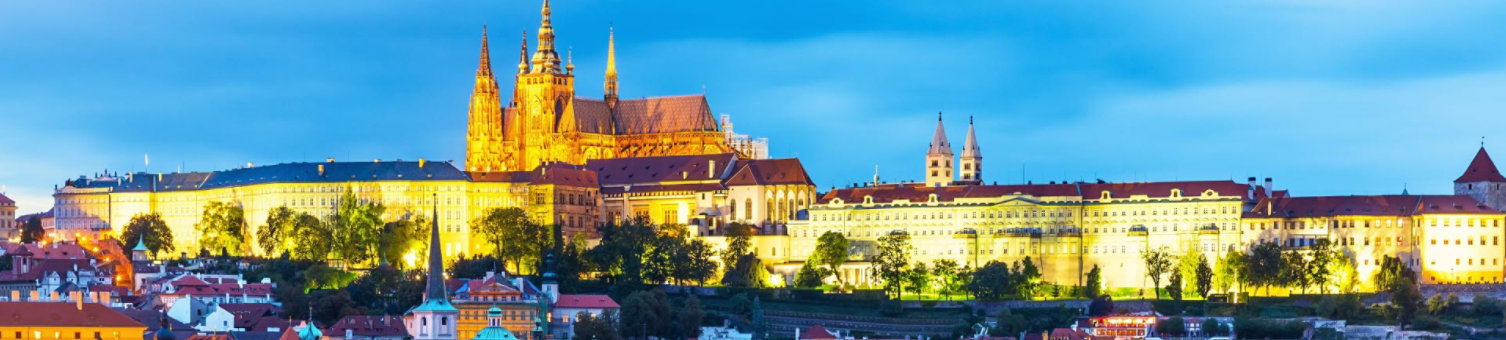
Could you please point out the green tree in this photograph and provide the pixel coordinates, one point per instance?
(946, 274)
(690, 317)
(831, 252)
(1263, 267)
(386, 290)
(158, 238)
(589, 327)
(1229, 269)
(990, 282)
(647, 314)
(1187, 265)
(31, 231)
(1157, 262)
(917, 277)
(1174, 326)
(1296, 271)
(356, 228)
(1174, 286)
(809, 275)
(743, 268)
(619, 255)
(314, 238)
(1204, 278)
(1320, 264)
(739, 238)
(892, 259)
(695, 262)
(1391, 271)
(402, 237)
(277, 235)
(1406, 298)
(222, 228)
(1346, 275)
(1094, 284)
(514, 237)
(1029, 279)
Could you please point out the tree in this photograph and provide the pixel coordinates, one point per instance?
(1102, 305)
(386, 290)
(1173, 326)
(1028, 279)
(151, 229)
(222, 228)
(990, 281)
(809, 275)
(945, 271)
(1263, 267)
(314, 238)
(1157, 262)
(647, 314)
(695, 262)
(1094, 283)
(892, 259)
(1406, 298)
(1211, 327)
(831, 251)
(1204, 278)
(1187, 265)
(1320, 264)
(690, 316)
(917, 277)
(1390, 272)
(1229, 269)
(1174, 286)
(619, 255)
(1346, 275)
(277, 235)
(588, 327)
(31, 231)
(743, 268)
(1296, 271)
(356, 227)
(402, 238)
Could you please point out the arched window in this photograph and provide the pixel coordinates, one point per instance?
(734, 208)
(748, 209)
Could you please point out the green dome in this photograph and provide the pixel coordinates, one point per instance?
(494, 311)
(494, 333)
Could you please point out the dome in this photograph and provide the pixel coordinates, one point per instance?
(494, 311)
(494, 333)
(165, 334)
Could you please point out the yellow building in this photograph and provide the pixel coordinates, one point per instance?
(66, 320)
(704, 190)
(555, 194)
(545, 122)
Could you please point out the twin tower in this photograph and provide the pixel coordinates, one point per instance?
(939, 166)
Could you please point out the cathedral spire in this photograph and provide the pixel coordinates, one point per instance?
(523, 55)
(546, 59)
(970, 147)
(610, 86)
(485, 69)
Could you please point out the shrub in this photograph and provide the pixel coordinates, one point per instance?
(1486, 306)
(1173, 326)
(1251, 328)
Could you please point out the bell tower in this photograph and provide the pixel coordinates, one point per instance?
(939, 158)
(1483, 181)
(483, 139)
(972, 158)
(545, 109)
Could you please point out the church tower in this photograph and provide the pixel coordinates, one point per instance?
(434, 318)
(544, 98)
(1483, 181)
(972, 158)
(483, 147)
(939, 158)
(609, 87)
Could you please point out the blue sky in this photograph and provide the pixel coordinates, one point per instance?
(1328, 97)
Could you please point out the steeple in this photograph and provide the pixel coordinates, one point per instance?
(939, 158)
(546, 59)
(972, 158)
(610, 85)
(523, 55)
(485, 67)
(484, 128)
(435, 289)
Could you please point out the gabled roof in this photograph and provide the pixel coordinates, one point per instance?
(817, 332)
(770, 172)
(6, 200)
(1481, 169)
(368, 325)
(39, 314)
(663, 115)
(627, 171)
(585, 301)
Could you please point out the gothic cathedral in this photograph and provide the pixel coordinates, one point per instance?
(545, 122)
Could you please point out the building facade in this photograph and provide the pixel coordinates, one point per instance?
(546, 122)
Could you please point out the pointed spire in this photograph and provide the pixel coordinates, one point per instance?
(523, 55)
(546, 59)
(1481, 169)
(939, 144)
(570, 60)
(485, 68)
(970, 147)
(609, 86)
(435, 289)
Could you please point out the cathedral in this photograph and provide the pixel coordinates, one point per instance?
(545, 122)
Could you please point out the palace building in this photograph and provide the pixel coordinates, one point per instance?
(546, 122)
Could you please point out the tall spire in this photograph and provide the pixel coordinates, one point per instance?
(939, 144)
(435, 289)
(523, 55)
(546, 59)
(970, 147)
(485, 125)
(610, 85)
(485, 69)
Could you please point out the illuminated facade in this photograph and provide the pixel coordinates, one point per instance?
(545, 122)
(705, 190)
(8, 223)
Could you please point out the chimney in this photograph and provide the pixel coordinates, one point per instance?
(711, 169)
(1268, 188)
(1251, 187)
(421, 163)
(321, 170)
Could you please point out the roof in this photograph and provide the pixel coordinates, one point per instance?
(47, 266)
(1481, 169)
(626, 171)
(939, 144)
(585, 301)
(368, 325)
(770, 172)
(6, 200)
(1374, 205)
(817, 332)
(33, 314)
(221, 336)
(919, 192)
(194, 285)
(970, 145)
(279, 173)
(663, 114)
(1163, 189)
(55, 251)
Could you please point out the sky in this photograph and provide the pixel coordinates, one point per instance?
(1326, 97)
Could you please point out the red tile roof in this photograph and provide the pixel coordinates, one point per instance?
(664, 114)
(1481, 169)
(35, 314)
(816, 332)
(368, 325)
(193, 285)
(585, 301)
(57, 250)
(44, 267)
(1377, 205)
(6, 200)
(770, 172)
(918, 192)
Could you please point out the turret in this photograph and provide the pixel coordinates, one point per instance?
(939, 158)
(1483, 181)
(972, 158)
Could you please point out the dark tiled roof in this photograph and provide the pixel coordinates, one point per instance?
(1481, 169)
(1377, 205)
(1163, 189)
(552, 173)
(43, 267)
(368, 325)
(918, 192)
(279, 173)
(593, 116)
(623, 171)
(6, 200)
(34, 314)
(769, 172)
(696, 187)
(664, 114)
(585, 301)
